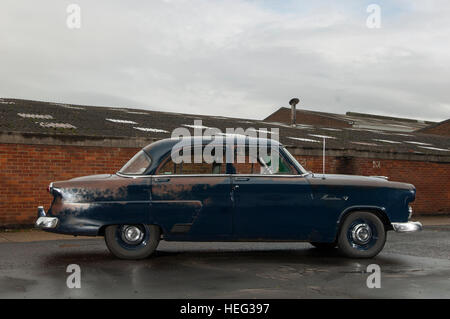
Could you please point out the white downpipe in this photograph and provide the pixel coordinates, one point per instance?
(323, 157)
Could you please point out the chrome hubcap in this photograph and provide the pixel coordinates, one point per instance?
(132, 234)
(361, 234)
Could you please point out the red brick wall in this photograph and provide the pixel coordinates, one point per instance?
(26, 171)
(442, 128)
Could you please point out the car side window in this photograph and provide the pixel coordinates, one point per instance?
(168, 168)
(282, 167)
(249, 161)
(247, 165)
(189, 167)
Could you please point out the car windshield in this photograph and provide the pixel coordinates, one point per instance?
(294, 161)
(138, 164)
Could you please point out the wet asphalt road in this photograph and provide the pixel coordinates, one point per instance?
(412, 265)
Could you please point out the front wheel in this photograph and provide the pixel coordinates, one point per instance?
(362, 235)
(132, 241)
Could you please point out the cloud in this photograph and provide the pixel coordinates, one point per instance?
(230, 58)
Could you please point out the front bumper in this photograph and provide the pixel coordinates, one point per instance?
(45, 222)
(407, 227)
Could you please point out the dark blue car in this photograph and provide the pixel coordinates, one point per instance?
(241, 189)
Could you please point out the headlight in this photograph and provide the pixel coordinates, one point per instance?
(410, 210)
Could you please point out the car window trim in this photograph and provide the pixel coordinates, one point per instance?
(231, 175)
(212, 175)
(169, 155)
(150, 162)
(132, 175)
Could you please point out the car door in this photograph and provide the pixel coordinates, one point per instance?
(270, 205)
(193, 200)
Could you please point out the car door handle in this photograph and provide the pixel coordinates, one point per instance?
(162, 180)
(242, 179)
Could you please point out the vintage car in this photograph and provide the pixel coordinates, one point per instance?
(165, 193)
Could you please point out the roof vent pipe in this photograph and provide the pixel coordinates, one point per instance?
(293, 103)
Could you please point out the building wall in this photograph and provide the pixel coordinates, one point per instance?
(26, 171)
(442, 128)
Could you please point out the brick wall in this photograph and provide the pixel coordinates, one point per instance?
(442, 128)
(26, 171)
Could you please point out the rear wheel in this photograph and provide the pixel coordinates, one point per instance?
(362, 235)
(132, 241)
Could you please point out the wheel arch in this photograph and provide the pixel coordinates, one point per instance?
(380, 212)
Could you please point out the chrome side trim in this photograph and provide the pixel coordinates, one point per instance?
(132, 176)
(225, 175)
(212, 175)
(110, 202)
(407, 227)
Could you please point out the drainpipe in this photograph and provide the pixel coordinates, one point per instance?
(293, 103)
(323, 158)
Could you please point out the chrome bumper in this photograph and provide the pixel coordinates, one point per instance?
(45, 222)
(407, 227)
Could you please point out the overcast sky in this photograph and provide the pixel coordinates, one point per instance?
(233, 57)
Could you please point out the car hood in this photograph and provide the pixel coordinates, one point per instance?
(356, 180)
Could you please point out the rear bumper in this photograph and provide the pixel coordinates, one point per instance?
(45, 222)
(63, 225)
(407, 227)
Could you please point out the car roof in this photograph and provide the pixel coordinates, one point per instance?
(211, 140)
(159, 149)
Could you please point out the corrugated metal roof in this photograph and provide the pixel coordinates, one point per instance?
(65, 119)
